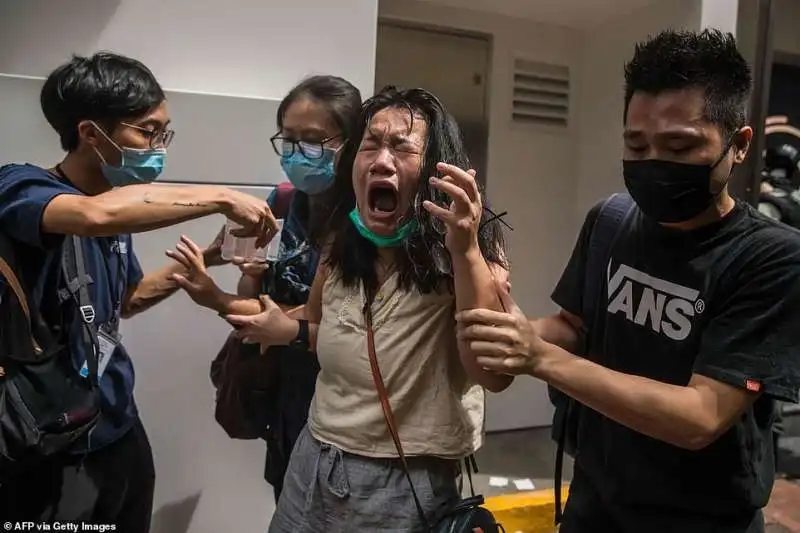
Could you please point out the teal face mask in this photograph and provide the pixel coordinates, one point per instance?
(381, 241)
(136, 165)
(312, 176)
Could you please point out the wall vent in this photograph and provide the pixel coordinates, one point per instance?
(541, 93)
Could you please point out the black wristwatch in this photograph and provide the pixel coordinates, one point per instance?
(301, 341)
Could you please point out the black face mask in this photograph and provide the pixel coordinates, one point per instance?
(668, 191)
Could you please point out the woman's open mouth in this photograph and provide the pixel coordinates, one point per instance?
(383, 199)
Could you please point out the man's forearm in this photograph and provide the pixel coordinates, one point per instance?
(670, 413)
(132, 209)
(555, 329)
(154, 288)
(475, 289)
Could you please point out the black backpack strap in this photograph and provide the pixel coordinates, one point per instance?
(612, 217)
(604, 234)
(74, 269)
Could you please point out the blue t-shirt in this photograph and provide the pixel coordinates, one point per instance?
(25, 191)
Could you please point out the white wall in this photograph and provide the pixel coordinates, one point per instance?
(531, 173)
(206, 483)
(605, 51)
(239, 47)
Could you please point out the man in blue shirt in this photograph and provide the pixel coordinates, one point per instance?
(112, 119)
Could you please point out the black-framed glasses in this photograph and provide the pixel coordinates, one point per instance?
(286, 147)
(158, 137)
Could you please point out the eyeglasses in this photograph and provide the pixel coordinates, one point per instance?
(158, 137)
(286, 147)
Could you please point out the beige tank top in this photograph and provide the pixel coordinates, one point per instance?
(438, 411)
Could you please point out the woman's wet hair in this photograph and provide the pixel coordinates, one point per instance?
(425, 265)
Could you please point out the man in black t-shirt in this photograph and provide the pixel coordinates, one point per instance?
(696, 331)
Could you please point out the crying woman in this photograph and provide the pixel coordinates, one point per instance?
(406, 245)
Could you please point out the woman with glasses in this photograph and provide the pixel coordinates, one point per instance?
(314, 120)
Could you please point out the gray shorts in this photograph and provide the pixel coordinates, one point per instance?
(327, 490)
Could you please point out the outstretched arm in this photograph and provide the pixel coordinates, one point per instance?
(747, 350)
(148, 290)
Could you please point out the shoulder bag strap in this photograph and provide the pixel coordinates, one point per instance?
(387, 410)
(74, 268)
(611, 218)
(19, 293)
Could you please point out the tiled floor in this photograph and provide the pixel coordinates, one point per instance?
(530, 455)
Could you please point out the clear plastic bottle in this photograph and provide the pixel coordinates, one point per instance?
(233, 246)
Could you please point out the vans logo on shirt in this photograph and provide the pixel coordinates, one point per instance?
(666, 307)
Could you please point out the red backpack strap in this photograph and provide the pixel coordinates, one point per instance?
(283, 197)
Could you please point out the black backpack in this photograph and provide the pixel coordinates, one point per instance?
(45, 405)
(612, 217)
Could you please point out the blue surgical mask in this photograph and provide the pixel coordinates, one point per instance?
(136, 165)
(312, 176)
(381, 241)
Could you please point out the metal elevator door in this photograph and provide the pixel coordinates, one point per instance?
(453, 67)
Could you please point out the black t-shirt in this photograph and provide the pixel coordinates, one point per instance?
(722, 301)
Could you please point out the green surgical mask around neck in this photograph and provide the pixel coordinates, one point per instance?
(381, 241)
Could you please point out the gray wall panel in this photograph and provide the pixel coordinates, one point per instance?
(219, 139)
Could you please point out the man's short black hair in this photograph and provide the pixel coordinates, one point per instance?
(105, 87)
(707, 60)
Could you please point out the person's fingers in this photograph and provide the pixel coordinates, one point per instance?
(182, 282)
(246, 231)
(218, 240)
(269, 229)
(445, 215)
(195, 261)
(481, 332)
(238, 321)
(502, 286)
(192, 245)
(179, 258)
(465, 180)
(509, 304)
(485, 317)
(500, 363)
(452, 189)
(267, 302)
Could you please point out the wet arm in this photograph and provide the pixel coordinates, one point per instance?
(132, 209)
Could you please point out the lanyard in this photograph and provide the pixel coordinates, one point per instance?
(120, 287)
